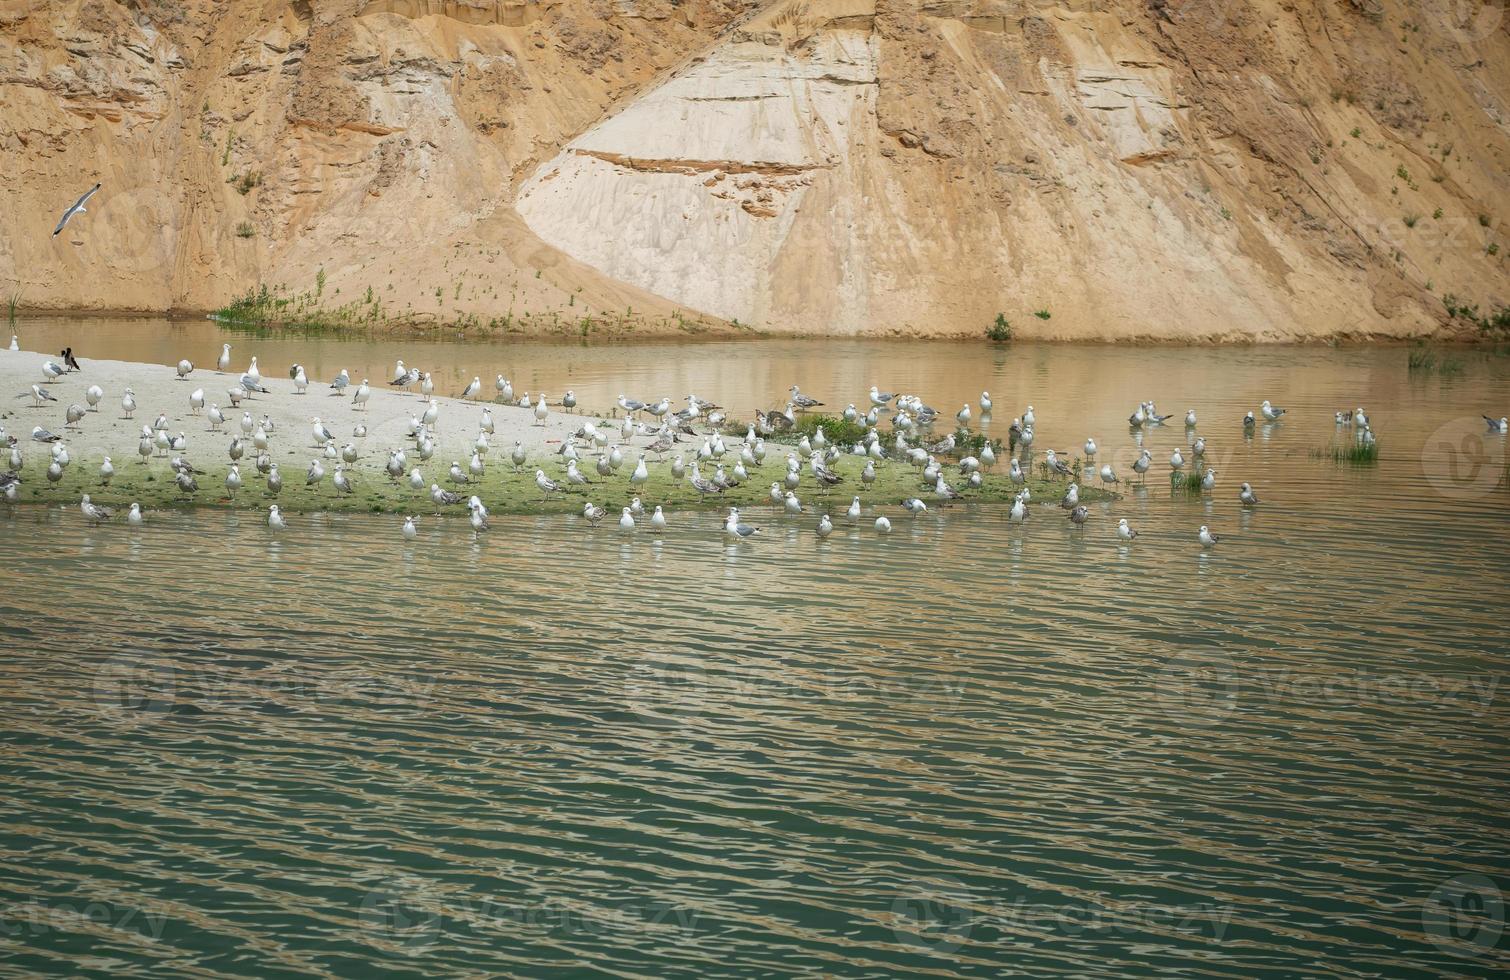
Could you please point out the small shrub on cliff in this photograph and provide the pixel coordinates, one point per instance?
(1001, 330)
(245, 230)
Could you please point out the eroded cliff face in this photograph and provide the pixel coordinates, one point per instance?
(1205, 169)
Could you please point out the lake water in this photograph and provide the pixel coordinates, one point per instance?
(968, 748)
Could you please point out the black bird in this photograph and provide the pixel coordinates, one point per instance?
(69, 361)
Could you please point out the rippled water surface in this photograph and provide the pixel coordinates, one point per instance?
(966, 748)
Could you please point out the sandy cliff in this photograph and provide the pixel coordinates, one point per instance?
(1208, 169)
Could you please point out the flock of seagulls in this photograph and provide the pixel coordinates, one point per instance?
(714, 458)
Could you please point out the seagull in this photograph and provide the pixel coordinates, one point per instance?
(274, 480)
(1125, 532)
(914, 506)
(39, 434)
(471, 390)
(95, 513)
(186, 483)
(883, 525)
(410, 531)
(1502, 425)
(985, 403)
(320, 432)
(134, 515)
(878, 399)
(39, 395)
(362, 394)
(803, 401)
(1208, 480)
(1270, 412)
(443, 498)
(1071, 498)
(1090, 449)
(275, 518)
(734, 529)
(233, 480)
(250, 384)
(301, 379)
(224, 363)
(545, 483)
(504, 388)
(1108, 475)
(963, 415)
(1206, 538)
(76, 208)
(72, 416)
(540, 410)
(825, 527)
(1079, 515)
(1248, 421)
(1019, 512)
(658, 520)
(478, 517)
(52, 371)
(107, 470)
(1247, 496)
(1176, 460)
(1190, 418)
(314, 474)
(185, 368)
(626, 521)
(1056, 464)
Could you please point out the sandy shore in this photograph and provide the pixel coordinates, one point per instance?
(106, 432)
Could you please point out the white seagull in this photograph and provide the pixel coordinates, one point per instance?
(76, 208)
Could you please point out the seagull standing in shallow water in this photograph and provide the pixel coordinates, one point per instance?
(734, 529)
(1206, 538)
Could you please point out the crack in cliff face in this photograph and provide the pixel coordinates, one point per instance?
(685, 166)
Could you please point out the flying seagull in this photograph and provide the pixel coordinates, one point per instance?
(76, 208)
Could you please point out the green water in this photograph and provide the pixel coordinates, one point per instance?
(968, 748)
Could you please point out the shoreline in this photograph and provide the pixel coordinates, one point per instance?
(709, 332)
(504, 490)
